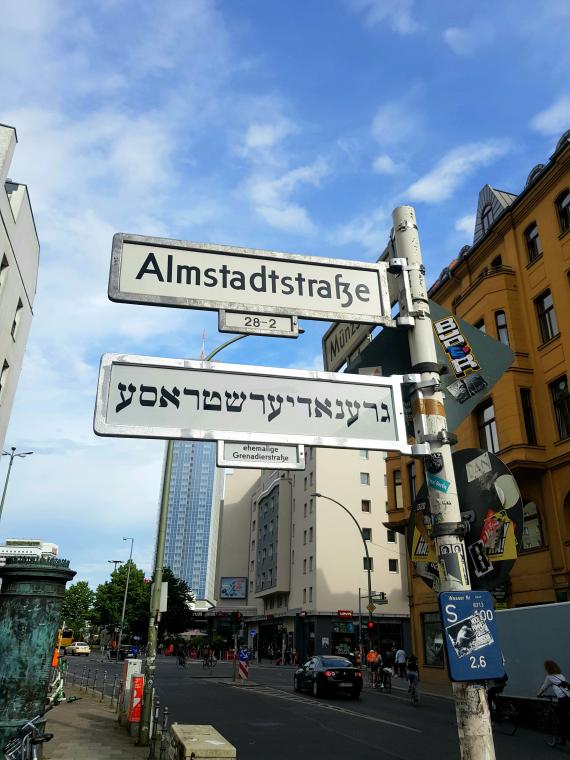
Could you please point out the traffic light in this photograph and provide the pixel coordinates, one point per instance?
(236, 618)
(370, 625)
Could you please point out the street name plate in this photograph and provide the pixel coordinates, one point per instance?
(148, 397)
(260, 455)
(341, 341)
(258, 324)
(163, 272)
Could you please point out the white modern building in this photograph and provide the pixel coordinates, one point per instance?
(300, 558)
(27, 547)
(19, 260)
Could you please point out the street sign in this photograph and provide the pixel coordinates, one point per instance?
(473, 360)
(260, 455)
(370, 607)
(148, 397)
(380, 599)
(258, 324)
(470, 636)
(161, 272)
(342, 341)
(492, 509)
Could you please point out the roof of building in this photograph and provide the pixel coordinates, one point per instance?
(498, 201)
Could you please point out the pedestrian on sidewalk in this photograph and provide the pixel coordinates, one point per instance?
(400, 663)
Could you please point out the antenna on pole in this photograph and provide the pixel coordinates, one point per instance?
(203, 351)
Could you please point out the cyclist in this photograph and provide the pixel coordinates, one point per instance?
(181, 655)
(494, 688)
(557, 683)
(413, 675)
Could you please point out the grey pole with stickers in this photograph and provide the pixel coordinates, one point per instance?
(430, 427)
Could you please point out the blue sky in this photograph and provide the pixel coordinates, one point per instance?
(292, 126)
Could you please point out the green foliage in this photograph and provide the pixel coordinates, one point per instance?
(178, 617)
(77, 607)
(109, 601)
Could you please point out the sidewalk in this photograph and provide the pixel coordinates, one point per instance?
(88, 730)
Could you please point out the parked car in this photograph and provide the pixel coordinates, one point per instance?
(126, 650)
(77, 648)
(323, 674)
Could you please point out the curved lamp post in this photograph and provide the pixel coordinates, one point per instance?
(355, 521)
(12, 454)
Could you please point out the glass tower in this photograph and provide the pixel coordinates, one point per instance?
(193, 516)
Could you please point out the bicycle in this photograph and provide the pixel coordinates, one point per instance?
(387, 680)
(414, 696)
(504, 717)
(25, 745)
(181, 661)
(210, 663)
(549, 723)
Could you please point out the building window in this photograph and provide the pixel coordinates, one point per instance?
(364, 479)
(480, 325)
(528, 416)
(304, 537)
(487, 218)
(367, 534)
(311, 535)
(310, 478)
(310, 593)
(561, 402)
(368, 563)
(391, 536)
(311, 506)
(533, 244)
(532, 537)
(310, 564)
(251, 585)
(412, 480)
(4, 377)
(16, 321)
(305, 509)
(398, 493)
(363, 453)
(3, 271)
(304, 567)
(365, 504)
(293, 557)
(488, 437)
(433, 639)
(305, 483)
(502, 330)
(304, 596)
(546, 316)
(497, 262)
(392, 565)
(563, 210)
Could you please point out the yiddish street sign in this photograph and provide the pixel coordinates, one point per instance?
(147, 397)
(163, 272)
(341, 341)
(273, 456)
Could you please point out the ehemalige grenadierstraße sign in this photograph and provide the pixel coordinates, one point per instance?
(161, 272)
(149, 397)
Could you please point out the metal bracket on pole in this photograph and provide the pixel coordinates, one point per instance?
(448, 529)
(443, 437)
(432, 383)
(421, 449)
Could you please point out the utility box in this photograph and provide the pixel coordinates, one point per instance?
(191, 741)
(131, 667)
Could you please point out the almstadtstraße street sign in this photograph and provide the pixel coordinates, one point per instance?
(162, 272)
(148, 397)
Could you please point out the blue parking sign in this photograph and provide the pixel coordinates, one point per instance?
(470, 635)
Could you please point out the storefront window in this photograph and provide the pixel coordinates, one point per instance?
(433, 639)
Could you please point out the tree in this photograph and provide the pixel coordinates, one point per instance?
(178, 617)
(109, 601)
(77, 607)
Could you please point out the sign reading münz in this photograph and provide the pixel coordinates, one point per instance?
(161, 272)
(148, 397)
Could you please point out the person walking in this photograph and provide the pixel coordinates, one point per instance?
(557, 684)
(372, 664)
(400, 663)
(413, 674)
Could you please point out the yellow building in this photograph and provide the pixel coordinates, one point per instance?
(513, 283)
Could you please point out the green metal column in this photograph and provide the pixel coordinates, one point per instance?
(30, 610)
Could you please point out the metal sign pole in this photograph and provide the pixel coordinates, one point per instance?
(430, 427)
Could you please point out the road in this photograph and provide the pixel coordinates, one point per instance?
(268, 719)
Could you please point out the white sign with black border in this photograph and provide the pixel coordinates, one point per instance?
(258, 324)
(272, 456)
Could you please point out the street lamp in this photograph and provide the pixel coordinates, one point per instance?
(368, 568)
(12, 454)
(129, 563)
(115, 562)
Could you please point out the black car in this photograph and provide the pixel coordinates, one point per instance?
(328, 673)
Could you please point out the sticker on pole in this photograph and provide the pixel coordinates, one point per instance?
(470, 635)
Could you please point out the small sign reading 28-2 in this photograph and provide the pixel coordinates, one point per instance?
(470, 635)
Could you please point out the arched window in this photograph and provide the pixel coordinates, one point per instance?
(487, 217)
(532, 537)
(563, 209)
(533, 244)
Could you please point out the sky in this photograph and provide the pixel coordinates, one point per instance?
(292, 126)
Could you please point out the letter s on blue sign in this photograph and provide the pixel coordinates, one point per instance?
(451, 614)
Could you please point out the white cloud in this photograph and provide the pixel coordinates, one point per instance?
(465, 41)
(264, 135)
(448, 174)
(396, 122)
(385, 165)
(370, 231)
(466, 224)
(555, 119)
(398, 14)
